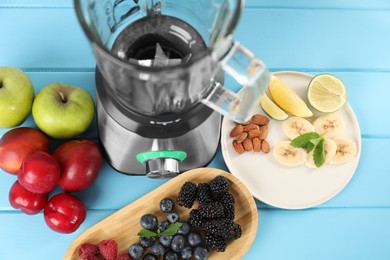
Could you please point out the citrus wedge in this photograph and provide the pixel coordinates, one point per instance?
(326, 93)
(286, 98)
(271, 108)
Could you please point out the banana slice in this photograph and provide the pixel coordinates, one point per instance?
(288, 155)
(330, 125)
(296, 126)
(329, 150)
(345, 152)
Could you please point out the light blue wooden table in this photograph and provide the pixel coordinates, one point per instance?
(350, 39)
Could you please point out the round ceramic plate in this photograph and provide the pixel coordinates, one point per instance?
(290, 187)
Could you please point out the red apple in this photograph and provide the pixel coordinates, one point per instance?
(29, 202)
(64, 213)
(17, 143)
(39, 173)
(80, 162)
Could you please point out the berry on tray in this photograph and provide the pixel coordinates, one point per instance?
(157, 250)
(218, 243)
(178, 242)
(201, 253)
(212, 210)
(149, 221)
(187, 195)
(87, 250)
(108, 249)
(204, 193)
(219, 184)
(166, 205)
(173, 217)
(136, 251)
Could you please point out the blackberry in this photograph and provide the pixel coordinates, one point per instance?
(219, 184)
(212, 210)
(215, 242)
(204, 193)
(196, 219)
(227, 201)
(187, 195)
(224, 227)
(146, 242)
(166, 205)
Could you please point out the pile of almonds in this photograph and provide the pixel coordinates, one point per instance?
(251, 135)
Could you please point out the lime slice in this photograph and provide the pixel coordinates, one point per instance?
(326, 93)
(287, 99)
(271, 108)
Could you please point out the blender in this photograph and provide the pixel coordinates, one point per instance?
(159, 80)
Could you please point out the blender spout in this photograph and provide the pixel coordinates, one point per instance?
(152, 7)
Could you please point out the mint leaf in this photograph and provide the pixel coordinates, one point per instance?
(172, 229)
(302, 140)
(309, 147)
(315, 141)
(147, 233)
(319, 153)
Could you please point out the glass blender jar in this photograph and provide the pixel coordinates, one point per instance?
(159, 80)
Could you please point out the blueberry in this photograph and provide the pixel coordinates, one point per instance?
(173, 217)
(157, 250)
(149, 257)
(166, 240)
(171, 256)
(177, 244)
(147, 241)
(136, 251)
(194, 239)
(201, 253)
(186, 253)
(166, 205)
(162, 226)
(149, 221)
(184, 229)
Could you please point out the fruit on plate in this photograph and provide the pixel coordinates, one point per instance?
(287, 99)
(326, 93)
(329, 152)
(271, 108)
(346, 150)
(329, 125)
(17, 143)
(63, 111)
(64, 213)
(16, 96)
(29, 202)
(288, 155)
(80, 162)
(39, 173)
(296, 126)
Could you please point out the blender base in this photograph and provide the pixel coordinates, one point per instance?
(122, 145)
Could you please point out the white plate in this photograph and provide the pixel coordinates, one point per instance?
(290, 187)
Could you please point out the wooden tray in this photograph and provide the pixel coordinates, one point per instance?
(123, 225)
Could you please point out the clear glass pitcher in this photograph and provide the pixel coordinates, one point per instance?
(162, 56)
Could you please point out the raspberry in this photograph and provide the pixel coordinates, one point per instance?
(204, 193)
(108, 249)
(219, 184)
(187, 195)
(212, 210)
(87, 250)
(196, 219)
(123, 256)
(215, 242)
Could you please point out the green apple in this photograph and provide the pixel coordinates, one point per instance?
(63, 111)
(16, 96)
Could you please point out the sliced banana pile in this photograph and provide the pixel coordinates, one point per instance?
(337, 149)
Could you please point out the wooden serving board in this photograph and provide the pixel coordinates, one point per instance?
(124, 225)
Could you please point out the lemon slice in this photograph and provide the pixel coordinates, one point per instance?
(326, 93)
(286, 98)
(271, 108)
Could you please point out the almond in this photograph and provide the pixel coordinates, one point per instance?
(237, 130)
(265, 147)
(259, 119)
(250, 127)
(264, 132)
(242, 137)
(238, 147)
(254, 133)
(248, 146)
(256, 144)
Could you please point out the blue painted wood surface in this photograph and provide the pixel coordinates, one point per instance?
(350, 39)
